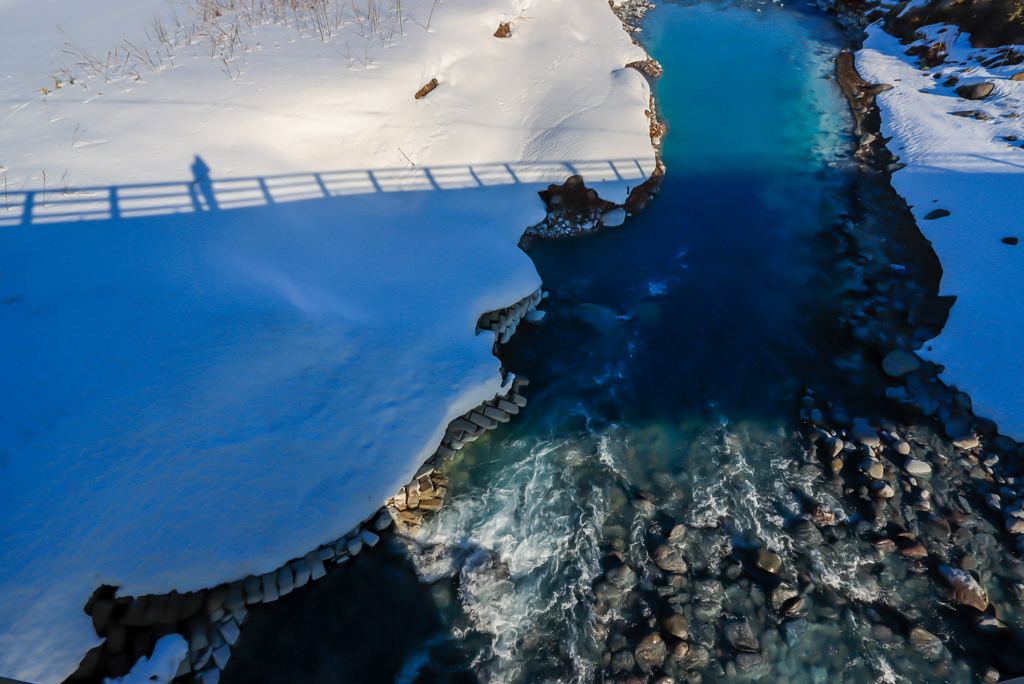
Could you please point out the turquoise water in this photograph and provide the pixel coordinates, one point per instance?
(665, 389)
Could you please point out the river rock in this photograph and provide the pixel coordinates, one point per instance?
(902, 447)
(1014, 525)
(833, 445)
(622, 577)
(976, 91)
(803, 530)
(782, 593)
(669, 560)
(623, 661)
(707, 610)
(917, 468)
(650, 653)
(898, 363)
(926, 643)
(614, 217)
(740, 635)
(966, 442)
(822, 515)
(750, 662)
(676, 625)
(794, 630)
(709, 590)
(768, 561)
(966, 589)
(874, 469)
(864, 434)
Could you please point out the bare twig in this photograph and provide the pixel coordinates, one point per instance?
(407, 157)
(75, 133)
(44, 188)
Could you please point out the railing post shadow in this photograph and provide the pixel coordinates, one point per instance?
(26, 218)
(115, 204)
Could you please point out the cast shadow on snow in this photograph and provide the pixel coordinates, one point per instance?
(208, 192)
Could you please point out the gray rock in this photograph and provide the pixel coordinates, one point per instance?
(902, 447)
(976, 91)
(740, 635)
(804, 531)
(966, 589)
(874, 469)
(623, 661)
(794, 630)
(650, 653)
(709, 590)
(676, 625)
(966, 442)
(833, 445)
(864, 434)
(707, 610)
(750, 662)
(926, 643)
(898, 363)
(917, 468)
(1015, 525)
(993, 501)
(622, 576)
(669, 560)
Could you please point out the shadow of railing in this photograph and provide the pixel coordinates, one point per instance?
(213, 194)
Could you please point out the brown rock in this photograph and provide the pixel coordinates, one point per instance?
(668, 559)
(676, 625)
(650, 653)
(422, 92)
(977, 91)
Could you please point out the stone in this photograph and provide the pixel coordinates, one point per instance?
(650, 653)
(368, 538)
(902, 448)
(622, 661)
(669, 560)
(740, 635)
(975, 91)
(898, 363)
(864, 434)
(748, 663)
(676, 625)
(917, 468)
(874, 469)
(966, 442)
(614, 217)
(317, 569)
(768, 561)
(622, 576)
(354, 546)
(957, 427)
(709, 590)
(993, 501)
(804, 531)
(883, 490)
(1015, 525)
(833, 445)
(781, 594)
(794, 630)
(965, 588)
(209, 676)
(707, 610)
(822, 514)
(926, 643)
(1019, 76)
(229, 630)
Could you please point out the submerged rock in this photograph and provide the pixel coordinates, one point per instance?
(669, 560)
(740, 635)
(966, 589)
(750, 662)
(623, 661)
(650, 653)
(676, 625)
(769, 561)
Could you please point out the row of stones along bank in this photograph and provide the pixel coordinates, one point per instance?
(211, 620)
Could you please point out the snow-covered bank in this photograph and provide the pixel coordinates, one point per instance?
(964, 180)
(239, 308)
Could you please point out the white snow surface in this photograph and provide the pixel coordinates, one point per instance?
(239, 312)
(965, 166)
(160, 667)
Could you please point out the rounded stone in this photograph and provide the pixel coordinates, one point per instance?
(740, 635)
(768, 561)
(623, 661)
(864, 434)
(650, 653)
(676, 625)
(926, 643)
(916, 467)
(669, 560)
(902, 447)
(898, 363)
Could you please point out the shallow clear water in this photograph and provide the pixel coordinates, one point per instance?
(665, 388)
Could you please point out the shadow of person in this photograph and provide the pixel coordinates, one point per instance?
(202, 186)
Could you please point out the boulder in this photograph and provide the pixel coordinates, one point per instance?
(898, 363)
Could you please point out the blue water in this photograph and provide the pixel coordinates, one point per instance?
(665, 381)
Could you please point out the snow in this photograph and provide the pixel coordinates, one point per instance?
(965, 166)
(248, 317)
(160, 667)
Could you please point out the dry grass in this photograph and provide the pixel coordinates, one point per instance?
(224, 29)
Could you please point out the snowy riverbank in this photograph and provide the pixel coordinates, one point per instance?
(243, 268)
(962, 174)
